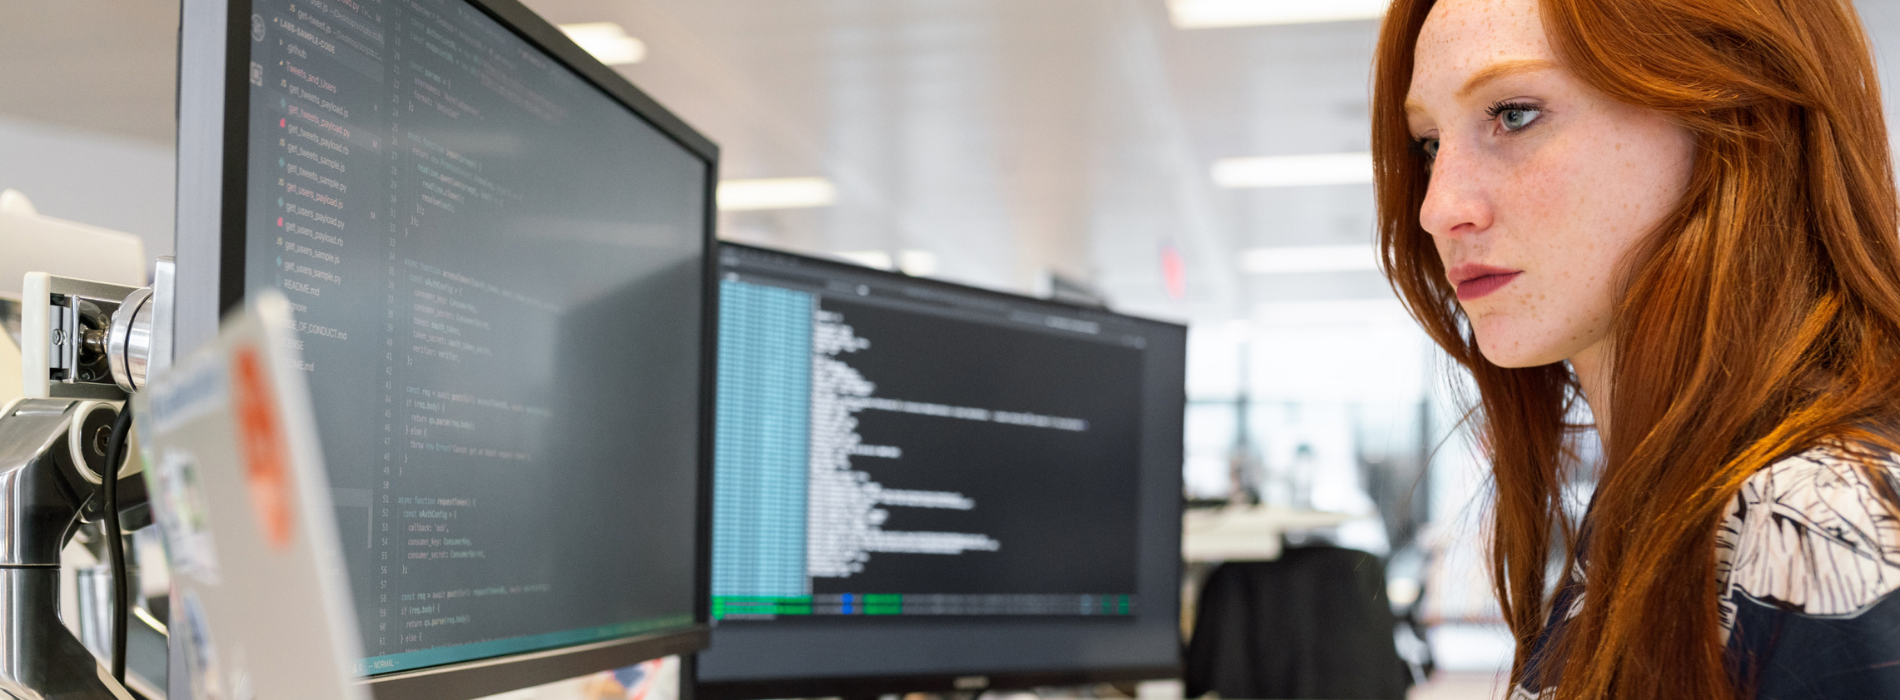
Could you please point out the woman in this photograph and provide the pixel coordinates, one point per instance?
(1681, 212)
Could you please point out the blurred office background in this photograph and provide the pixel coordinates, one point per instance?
(1194, 160)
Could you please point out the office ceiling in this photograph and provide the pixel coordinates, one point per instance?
(1012, 137)
(1006, 137)
(103, 65)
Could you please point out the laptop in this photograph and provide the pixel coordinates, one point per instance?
(260, 608)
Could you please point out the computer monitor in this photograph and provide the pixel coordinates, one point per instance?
(498, 252)
(925, 486)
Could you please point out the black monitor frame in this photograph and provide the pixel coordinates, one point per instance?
(213, 142)
(966, 681)
(869, 687)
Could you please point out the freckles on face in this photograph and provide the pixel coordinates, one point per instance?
(1536, 173)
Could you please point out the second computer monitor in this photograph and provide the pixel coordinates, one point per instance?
(917, 482)
(497, 252)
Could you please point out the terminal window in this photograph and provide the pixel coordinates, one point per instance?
(883, 455)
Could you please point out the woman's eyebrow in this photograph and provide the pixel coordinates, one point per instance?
(1485, 76)
(1502, 69)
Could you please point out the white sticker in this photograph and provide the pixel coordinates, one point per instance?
(178, 503)
(201, 655)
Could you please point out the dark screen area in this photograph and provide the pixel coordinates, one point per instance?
(1057, 501)
(917, 479)
(496, 271)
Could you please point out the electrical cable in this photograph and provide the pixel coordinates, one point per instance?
(115, 538)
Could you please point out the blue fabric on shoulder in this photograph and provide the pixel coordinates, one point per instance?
(1786, 655)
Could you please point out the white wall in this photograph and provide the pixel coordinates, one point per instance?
(95, 178)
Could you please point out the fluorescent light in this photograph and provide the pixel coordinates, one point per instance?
(1208, 14)
(607, 42)
(868, 258)
(777, 193)
(1318, 258)
(917, 263)
(1294, 171)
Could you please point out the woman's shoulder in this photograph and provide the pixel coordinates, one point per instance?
(1808, 560)
(1813, 533)
(1827, 488)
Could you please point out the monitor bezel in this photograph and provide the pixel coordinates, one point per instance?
(970, 680)
(213, 143)
(854, 687)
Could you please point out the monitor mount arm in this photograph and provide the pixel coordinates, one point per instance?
(52, 453)
(52, 462)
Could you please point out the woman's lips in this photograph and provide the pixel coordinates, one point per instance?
(1482, 285)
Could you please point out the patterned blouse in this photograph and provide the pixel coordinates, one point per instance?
(1806, 563)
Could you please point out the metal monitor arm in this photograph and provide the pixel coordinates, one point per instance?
(86, 346)
(52, 453)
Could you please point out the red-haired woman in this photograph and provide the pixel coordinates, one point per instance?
(1681, 212)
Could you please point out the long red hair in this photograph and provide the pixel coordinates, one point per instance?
(1760, 318)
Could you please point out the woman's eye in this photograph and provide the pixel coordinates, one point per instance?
(1514, 118)
(1429, 147)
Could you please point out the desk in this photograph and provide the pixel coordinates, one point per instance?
(1247, 533)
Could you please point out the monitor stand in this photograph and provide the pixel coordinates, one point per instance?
(44, 659)
(41, 499)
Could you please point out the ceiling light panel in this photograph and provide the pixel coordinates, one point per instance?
(1294, 171)
(917, 263)
(869, 258)
(776, 193)
(1212, 14)
(607, 42)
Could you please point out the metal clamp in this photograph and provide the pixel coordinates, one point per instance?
(129, 340)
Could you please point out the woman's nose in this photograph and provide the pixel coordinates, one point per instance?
(1456, 204)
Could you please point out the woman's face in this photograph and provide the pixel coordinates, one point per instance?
(1540, 186)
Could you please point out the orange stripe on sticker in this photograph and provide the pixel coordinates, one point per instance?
(266, 458)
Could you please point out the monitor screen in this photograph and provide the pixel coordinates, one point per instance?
(497, 268)
(914, 478)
